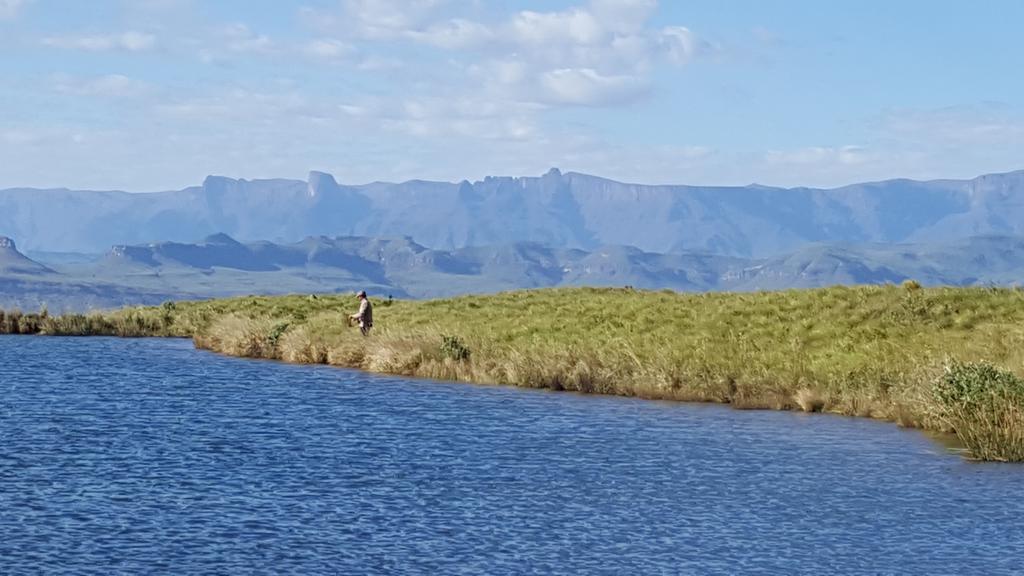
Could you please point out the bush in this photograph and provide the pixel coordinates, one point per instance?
(453, 347)
(985, 407)
(276, 332)
(167, 310)
(971, 386)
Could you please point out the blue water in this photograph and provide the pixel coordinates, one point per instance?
(146, 456)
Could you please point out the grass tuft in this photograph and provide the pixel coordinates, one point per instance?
(809, 400)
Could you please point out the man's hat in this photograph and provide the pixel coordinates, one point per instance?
(361, 294)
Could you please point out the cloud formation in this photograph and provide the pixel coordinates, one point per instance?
(9, 9)
(327, 49)
(601, 53)
(447, 89)
(110, 85)
(131, 41)
(238, 37)
(848, 155)
(588, 87)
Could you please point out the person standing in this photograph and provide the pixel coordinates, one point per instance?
(365, 314)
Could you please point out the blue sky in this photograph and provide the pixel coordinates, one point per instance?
(156, 94)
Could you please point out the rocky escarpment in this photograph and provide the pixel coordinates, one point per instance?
(563, 210)
(13, 262)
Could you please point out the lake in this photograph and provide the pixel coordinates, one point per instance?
(143, 456)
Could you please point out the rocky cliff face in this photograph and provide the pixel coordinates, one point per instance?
(14, 263)
(561, 210)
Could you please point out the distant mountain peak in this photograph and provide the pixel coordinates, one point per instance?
(315, 175)
(220, 239)
(14, 262)
(320, 182)
(131, 254)
(214, 180)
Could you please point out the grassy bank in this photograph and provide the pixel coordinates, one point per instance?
(880, 352)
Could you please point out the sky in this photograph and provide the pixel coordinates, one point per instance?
(146, 95)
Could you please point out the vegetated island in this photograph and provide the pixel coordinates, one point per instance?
(934, 358)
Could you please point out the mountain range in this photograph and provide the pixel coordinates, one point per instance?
(221, 266)
(562, 211)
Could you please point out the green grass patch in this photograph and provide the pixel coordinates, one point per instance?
(866, 351)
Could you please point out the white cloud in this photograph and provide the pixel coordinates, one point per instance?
(988, 124)
(221, 45)
(354, 110)
(384, 19)
(9, 9)
(767, 37)
(159, 6)
(475, 83)
(509, 72)
(131, 41)
(587, 87)
(257, 108)
(820, 155)
(328, 49)
(575, 26)
(454, 34)
(623, 16)
(469, 117)
(239, 38)
(599, 53)
(20, 137)
(112, 85)
(379, 63)
(678, 43)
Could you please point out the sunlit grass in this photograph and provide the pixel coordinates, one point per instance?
(865, 351)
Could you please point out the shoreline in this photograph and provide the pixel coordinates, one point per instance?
(947, 439)
(874, 352)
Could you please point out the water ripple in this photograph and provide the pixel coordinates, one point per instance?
(143, 456)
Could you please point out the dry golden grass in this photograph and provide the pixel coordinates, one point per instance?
(809, 400)
(240, 336)
(866, 351)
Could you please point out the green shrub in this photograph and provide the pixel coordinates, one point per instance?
(985, 407)
(276, 332)
(453, 347)
(971, 386)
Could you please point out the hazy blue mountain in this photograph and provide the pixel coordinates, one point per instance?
(564, 211)
(71, 295)
(27, 284)
(984, 260)
(220, 266)
(13, 262)
(61, 257)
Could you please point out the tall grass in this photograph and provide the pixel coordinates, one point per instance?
(132, 322)
(865, 351)
(985, 406)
